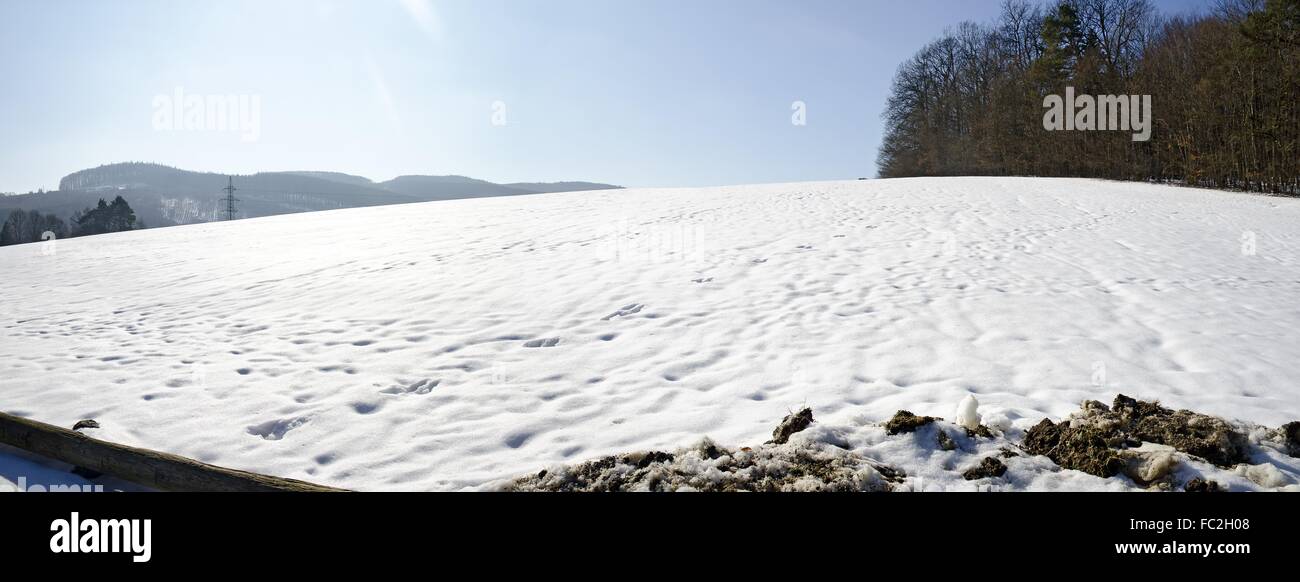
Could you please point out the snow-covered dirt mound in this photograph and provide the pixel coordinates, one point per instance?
(1143, 445)
(451, 345)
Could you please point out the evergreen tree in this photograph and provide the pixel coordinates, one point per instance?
(104, 218)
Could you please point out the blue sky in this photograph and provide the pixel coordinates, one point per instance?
(638, 93)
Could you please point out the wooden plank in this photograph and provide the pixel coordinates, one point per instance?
(152, 469)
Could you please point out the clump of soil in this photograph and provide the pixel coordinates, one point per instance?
(1082, 449)
(783, 466)
(904, 421)
(980, 431)
(988, 468)
(1290, 433)
(945, 442)
(1091, 441)
(1199, 485)
(791, 424)
(1204, 436)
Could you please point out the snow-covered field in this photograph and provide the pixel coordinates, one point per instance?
(450, 345)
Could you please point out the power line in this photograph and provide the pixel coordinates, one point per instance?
(230, 198)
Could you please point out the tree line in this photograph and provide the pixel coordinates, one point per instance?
(26, 227)
(1225, 88)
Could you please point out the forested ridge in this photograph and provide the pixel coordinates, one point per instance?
(1224, 86)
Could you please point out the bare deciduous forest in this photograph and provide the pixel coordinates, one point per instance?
(1225, 88)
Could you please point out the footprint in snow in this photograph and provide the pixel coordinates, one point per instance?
(424, 386)
(626, 310)
(549, 342)
(274, 430)
(518, 439)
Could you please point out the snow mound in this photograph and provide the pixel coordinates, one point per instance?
(968, 415)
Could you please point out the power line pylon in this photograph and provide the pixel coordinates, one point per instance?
(230, 198)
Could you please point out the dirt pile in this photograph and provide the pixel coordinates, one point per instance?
(1290, 434)
(1098, 439)
(988, 468)
(775, 466)
(791, 424)
(904, 421)
(1142, 440)
(1199, 485)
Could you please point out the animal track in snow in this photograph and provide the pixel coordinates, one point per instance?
(274, 430)
(680, 370)
(624, 311)
(549, 342)
(518, 439)
(424, 386)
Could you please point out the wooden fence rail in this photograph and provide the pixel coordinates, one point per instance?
(152, 469)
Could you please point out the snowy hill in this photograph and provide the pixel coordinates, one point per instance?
(452, 344)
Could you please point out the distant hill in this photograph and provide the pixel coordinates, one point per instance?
(449, 187)
(559, 186)
(166, 196)
(337, 177)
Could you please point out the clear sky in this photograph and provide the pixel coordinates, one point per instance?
(631, 92)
